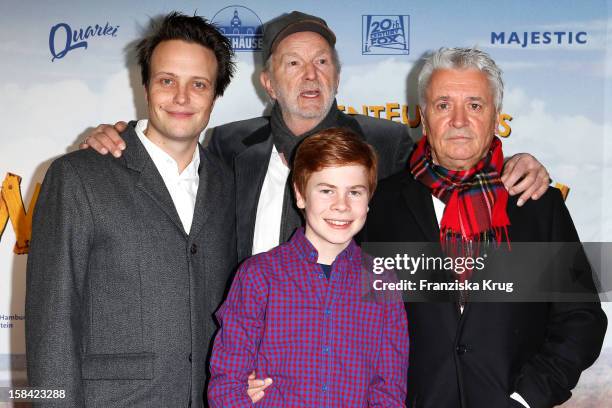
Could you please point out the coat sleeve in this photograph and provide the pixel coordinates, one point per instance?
(575, 336)
(57, 264)
(216, 148)
(234, 354)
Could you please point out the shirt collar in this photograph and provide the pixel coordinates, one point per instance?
(163, 161)
(308, 252)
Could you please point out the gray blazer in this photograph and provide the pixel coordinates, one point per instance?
(120, 300)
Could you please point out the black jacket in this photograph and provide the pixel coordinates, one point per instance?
(480, 357)
(247, 145)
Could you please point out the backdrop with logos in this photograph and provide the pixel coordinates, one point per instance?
(66, 69)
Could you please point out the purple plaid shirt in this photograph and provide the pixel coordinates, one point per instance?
(320, 340)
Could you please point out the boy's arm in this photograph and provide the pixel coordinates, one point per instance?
(234, 354)
(389, 385)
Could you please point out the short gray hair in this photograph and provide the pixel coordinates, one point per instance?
(462, 58)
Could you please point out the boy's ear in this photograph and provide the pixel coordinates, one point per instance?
(299, 200)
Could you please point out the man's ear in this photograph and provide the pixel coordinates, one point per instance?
(266, 82)
(299, 200)
(423, 123)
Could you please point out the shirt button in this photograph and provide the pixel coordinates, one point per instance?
(324, 387)
(321, 275)
(328, 311)
(193, 249)
(461, 349)
(325, 349)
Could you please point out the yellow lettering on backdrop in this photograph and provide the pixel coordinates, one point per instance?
(4, 216)
(504, 118)
(11, 207)
(406, 116)
(564, 190)
(391, 110)
(391, 107)
(376, 109)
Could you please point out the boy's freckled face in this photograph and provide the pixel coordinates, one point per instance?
(335, 203)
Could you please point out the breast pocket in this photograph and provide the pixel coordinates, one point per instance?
(292, 321)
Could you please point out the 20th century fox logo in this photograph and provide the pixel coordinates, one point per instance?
(385, 34)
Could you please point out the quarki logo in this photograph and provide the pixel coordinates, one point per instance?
(242, 26)
(63, 38)
(539, 38)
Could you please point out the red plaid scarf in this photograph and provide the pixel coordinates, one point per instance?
(475, 199)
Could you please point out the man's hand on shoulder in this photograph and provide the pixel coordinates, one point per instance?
(523, 174)
(105, 138)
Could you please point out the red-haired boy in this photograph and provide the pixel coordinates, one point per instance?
(297, 313)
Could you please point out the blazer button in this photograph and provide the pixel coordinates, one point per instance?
(461, 349)
(190, 357)
(193, 249)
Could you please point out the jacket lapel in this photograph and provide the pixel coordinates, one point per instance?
(150, 181)
(208, 189)
(420, 204)
(250, 168)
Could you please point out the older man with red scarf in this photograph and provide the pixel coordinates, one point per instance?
(468, 354)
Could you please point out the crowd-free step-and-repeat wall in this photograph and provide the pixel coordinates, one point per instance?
(64, 69)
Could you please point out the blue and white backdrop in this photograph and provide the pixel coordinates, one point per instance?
(64, 70)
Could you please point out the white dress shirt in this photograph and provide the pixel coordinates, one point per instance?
(270, 205)
(183, 187)
(439, 209)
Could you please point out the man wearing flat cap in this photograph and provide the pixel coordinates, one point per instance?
(301, 75)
